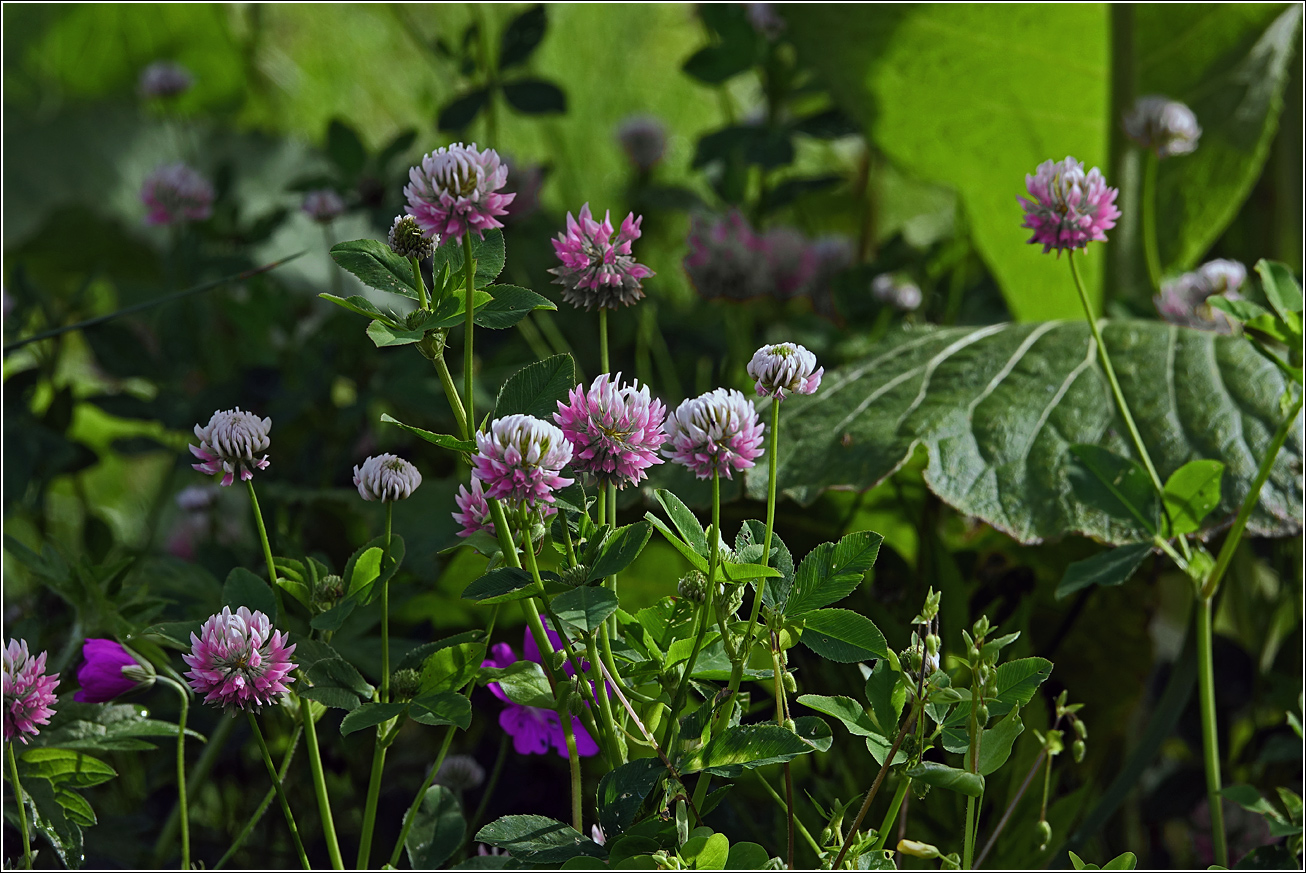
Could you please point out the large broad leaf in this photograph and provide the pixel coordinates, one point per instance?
(843, 635)
(1229, 63)
(998, 407)
(510, 305)
(437, 831)
(585, 608)
(975, 98)
(747, 746)
(622, 792)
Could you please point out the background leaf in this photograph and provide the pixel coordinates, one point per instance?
(437, 831)
(1110, 567)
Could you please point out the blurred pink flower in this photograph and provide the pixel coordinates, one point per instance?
(164, 79)
(1165, 126)
(323, 206)
(175, 193)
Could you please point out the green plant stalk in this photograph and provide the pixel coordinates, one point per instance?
(896, 804)
(605, 706)
(319, 785)
(385, 609)
(1111, 378)
(421, 795)
(22, 807)
(471, 327)
(422, 302)
(184, 693)
(1011, 807)
(263, 805)
(1249, 502)
(604, 366)
(379, 748)
(1150, 252)
(573, 766)
(212, 749)
(373, 794)
(276, 785)
(802, 829)
(705, 613)
(737, 671)
(263, 538)
(972, 825)
(1210, 731)
(451, 392)
(875, 786)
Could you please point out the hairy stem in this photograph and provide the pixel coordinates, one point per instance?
(451, 392)
(264, 803)
(182, 807)
(875, 786)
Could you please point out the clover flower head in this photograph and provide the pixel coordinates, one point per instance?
(1165, 126)
(1184, 299)
(229, 442)
(239, 662)
(386, 478)
(534, 730)
(895, 291)
(615, 430)
(598, 269)
(717, 431)
(175, 193)
(1069, 208)
(28, 692)
(473, 510)
(460, 773)
(323, 205)
(164, 79)
(452, 192)
(110, 670)
(784, 368)
(644, 139)
(521, 459)
(196, 498)
(407, 240)
(728, 258)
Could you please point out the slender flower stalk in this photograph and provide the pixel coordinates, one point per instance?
(1210, 730)
(604, 367)
(19, 798)
(267, 546)
(281, 794)
(184, 694)
(411, 815)
(319, 784)
(263, 804)
(470, 328)
(875, 786)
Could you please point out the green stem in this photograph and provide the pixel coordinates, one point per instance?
(184, 693)
(875, 786)
(276, 785)
(1150, 252)
(471, 326)
(263, 538)
(573, 765)
(212, 751)
(422, 302)
(421, 795)
(1111, 378)
(737, 673)
(319, 785)
(896, 804)
(1210, 731)
(617, 756)
(451, 392)
(373, 795)
(968, 850)
(604, 366)
(1249, 502)
(263, 805)
(802, 829)
(385, 609)
(22, 807)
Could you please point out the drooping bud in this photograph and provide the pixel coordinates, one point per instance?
(1077, 749)
(1044, 831)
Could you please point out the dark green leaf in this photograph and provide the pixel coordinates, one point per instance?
(586, 607)
(622, 792)
(502, 585)
(620, 550)
(706, 851)
(537, 388)
(747, 856)
(370, 715)
(243, 588)
(361, 306)
(463, 110)
(444, 441)
(746, 746)
(1113, 484)
(452, 668)
(538, 840)
(717, 63)
(777, 589)
(996, 743)
(846, 710)
(440, 708)
(510, 305)
(535, 96)
(336, 683)
(53, 823)
(1111, 567)
(437, 830)
(376, 266)
(334, 618)
(791, 189)
(401, 143)
(830, 124)
(364, 571)
(843, 635)
(344, 148)
(830, 572)
(942, 776)
(64, 767)
(384, 335)
(683, 518)
(887, 694)
(522, 36)
(1191, 493)
(488, 253)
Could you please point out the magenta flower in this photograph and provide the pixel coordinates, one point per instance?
(534, 729)
(615, 430)
(323, 206)
(474, 510)
(452, 192)
(28, 692)
(784, 368)
(229, 442)
(174, 193)
(1165, 126)
(238, 661)
(1070, 207)
(386, 478)
(164, 79)
(598, 269)
(520, 459)
(717, 431)
(110, 670)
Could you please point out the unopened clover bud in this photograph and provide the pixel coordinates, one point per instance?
(917, 849)
(827, 835)
(734, 598)
(415, 318)
(1044, 831)
(932, 645)
(981, 627)
(791, 684)
(911, 658)
(982, 715)
(1061, 699)
(574, 576)
(1077, 751)
(790, 725)
(329, 590)
(909, 746)
(1054, 744)
(985, 673)
(693, 586)
(1081, 729)
(404, 684)
(407, 240)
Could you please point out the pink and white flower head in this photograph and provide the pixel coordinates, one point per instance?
(521, 459)
(598, 269)
(386, 478)
(323, 206)
(28, 692)
(1165, 126)
(473, 510)
(615, 430)
(164, 79)
(239, 662)
(717, 431)
(1183, 299)
(175, 193)
(1069, 208)
(452, 192)
(229, 442)
(783, 369)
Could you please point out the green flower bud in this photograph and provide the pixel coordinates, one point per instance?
(981, 627)
(415, 318)
(1077, 749)
(1081, 729)
(1044, 831)
(982, 714)
(917, 849)
(826, 836)
(329, 591)
(574, 576)
(932, 645)
(693, 586)
(404, 684)
(790, 726)
(791, 684)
